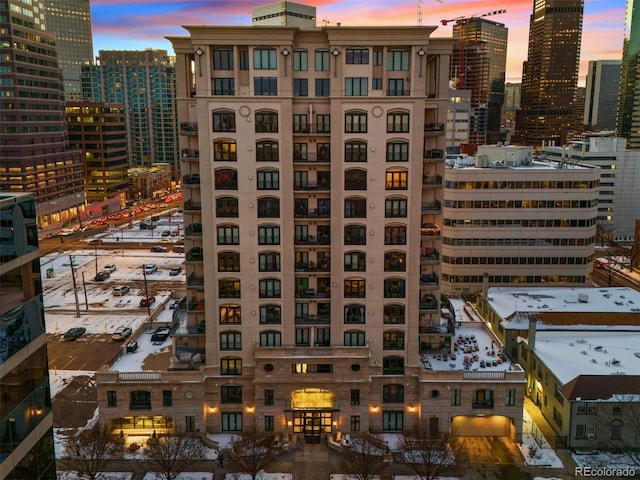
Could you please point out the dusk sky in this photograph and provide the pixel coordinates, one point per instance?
(140, 24)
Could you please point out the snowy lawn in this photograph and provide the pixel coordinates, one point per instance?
(536, 455)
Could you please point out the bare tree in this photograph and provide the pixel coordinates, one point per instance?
(429, 456)
(255, 451)
(612, 267)
(172, 452)
(620, 420)
(364, 457)
(93, 450)
(604, 231)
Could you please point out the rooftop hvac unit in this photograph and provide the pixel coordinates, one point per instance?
(583, 298)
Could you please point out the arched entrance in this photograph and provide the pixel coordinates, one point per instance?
(312, 410)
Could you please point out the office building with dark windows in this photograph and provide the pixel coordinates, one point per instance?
(26, 424)
(628, 120)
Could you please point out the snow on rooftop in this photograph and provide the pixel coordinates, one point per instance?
(569, 354)
(508, 300)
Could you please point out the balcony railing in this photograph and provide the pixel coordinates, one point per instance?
(432, 180)
(193, 230)
(430, 306)
(434, 128)
(193, 179)
(394, 92)
(195, 255)
(431, 207)
(434, 153)
(312, 213)
(189, 155)
(312, 293)
(312, 128)
(312, 157)
(430, 230)
(324, 185)
(312, 240)
(485, 404)
(195, 281)
(313, 319)
(429, 280)
(189, 127)
(191, 206)
(312, 267)
(195, 305)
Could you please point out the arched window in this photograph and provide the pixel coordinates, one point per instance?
(355, 179)
(393, 340)
(393, 366)
(224, 121)
(225, 151)
(226, 179)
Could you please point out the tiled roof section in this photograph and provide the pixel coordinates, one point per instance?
(602, 387)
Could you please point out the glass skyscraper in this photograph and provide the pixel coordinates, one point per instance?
(628, 120)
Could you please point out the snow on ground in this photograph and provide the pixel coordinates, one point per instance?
(536, 455)
(58, 379)
(102, 476)
(135, 234)
(597, 459)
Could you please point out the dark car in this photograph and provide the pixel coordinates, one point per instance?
(159, 248)
(175, 271)
(160, 334)
(95, 241)
(74, 333)
(147, 301)
(101, 276)
(155, 218)
(166, 233)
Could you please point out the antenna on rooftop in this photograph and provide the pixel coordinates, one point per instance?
(325, 21)
(419, 12)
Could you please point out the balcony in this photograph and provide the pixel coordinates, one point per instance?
(428, 304)
(192, 207)
(432, 181)
(189, 128)
(194, 281)
(312, 157)
(431, 208)
(320, 319)
(192, 180)
(312, 240)
(196, 254)
(312, 213)
(485, 404)
(429, 256)
(189, 155)
(195, 305)
(312, 129)
(312, 186)
(193, 230)
(312, 293)
(430, 230)
(429, 280)
(434, 155)
(395, 92)
(313, 267)
(434, 128)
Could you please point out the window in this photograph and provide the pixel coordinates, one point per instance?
(269, 235)
(355, 208)
(264, 58)
(355, 397)
(268, 207)
(228, 288)
(355, 152)
(270, 315)
(323, 337)
(581, 431)
(265, 86)
(395, 262)
(229, 314)
(355, 235)
(397, 152)
(354, 314)
(393, 340)
(266, 122)
(456, 396)
(376, 84)
(266, 151)
(393, 314)
(244, 59)
(231, 421)
(301, 123)
(393, 393)
(224, 121)
(269, 423)
(396, 180)
(355, 122)
(397, 60)
(224, 86)
(140, 400)
(394, 288)
(355, 423)
(377, 57)
(268, 397)
(511, 397)
(302, 337)
(230, 341)
(354, 338)
(354, 288)
(225, 150)
(323, 125)
(225, 179)
(270, 339)
(482, 398)
(322, 60)
(395, 235)
(397, 122)
(227, 207)
(300, 87)
(355, 262)
(392, 421)
(616, 430)
(322, 87)
(228, 262)
(395, 208)
(300, 152)
(190, 424)
(356, 86)
(393, 366)
(231, 394)
(357, 56)
(231, 366)
(268, 180)
(269, 262)
(300, 60)
(396, 87)
(355, 180)
(112, 399)
(269, 288)
(558, 394)
(223, 59)
(311, 368)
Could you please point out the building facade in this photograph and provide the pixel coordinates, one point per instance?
(601, 95)
(147, 183)
(519, 220)
(485, 59)
(550, 73)
(26, 424)
(312, 176)
(144, 83)
(628, 120)
(34, 147)
(70, 22)
(99, 130)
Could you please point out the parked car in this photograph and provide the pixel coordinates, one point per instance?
(175, 271)
(159, 248)
(109, 268)
(178, 249)
(95, 241)
(74, 333)
(165, 241)
(147, 301)
(121, 334)
(120, 290)
(150, 268)
(166, 233)
(101, 276)
(160, 334)
(155, 218)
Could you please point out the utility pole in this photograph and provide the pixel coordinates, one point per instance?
(84, 285)
(96, 257)
(75, 288)
(146, 294)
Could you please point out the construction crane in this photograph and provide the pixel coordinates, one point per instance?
(461, 22)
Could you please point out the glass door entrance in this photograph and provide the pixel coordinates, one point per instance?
(313, 424)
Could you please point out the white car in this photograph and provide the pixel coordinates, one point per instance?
(109, 268)
(150, 268)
